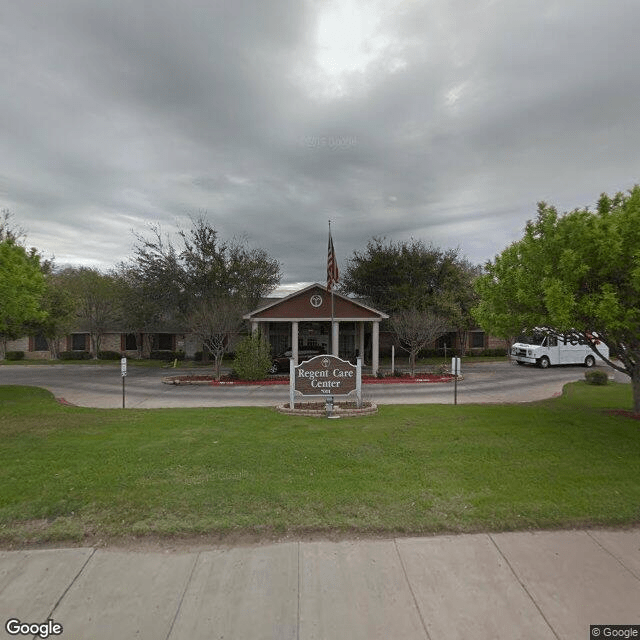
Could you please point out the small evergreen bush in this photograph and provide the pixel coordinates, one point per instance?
(108, 355)
(166, 355)
(74, 355)
(252, 357)
(596, 377)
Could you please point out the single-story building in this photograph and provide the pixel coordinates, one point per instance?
(312, 317)
(315, 317)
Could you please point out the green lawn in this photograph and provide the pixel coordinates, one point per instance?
(69, 473)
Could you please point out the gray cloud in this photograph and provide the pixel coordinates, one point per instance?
(447, 122)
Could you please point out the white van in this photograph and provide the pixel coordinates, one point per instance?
(545, 349)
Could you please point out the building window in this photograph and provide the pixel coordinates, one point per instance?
(165, 342)
(79, 341)
(477, 340)
(130, 342)
(40, 343)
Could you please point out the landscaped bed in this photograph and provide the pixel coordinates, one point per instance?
(230, 380)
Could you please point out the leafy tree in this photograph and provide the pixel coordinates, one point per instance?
(148, 302)
(579, 271)
(21, 288)
(402, 275)
(411, 275)
(58, 305)
(96, 297)
(206, 283)
(211, 267)
(416, 329)
(253, 357)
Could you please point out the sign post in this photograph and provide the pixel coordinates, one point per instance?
(123, 371)
(455, 370)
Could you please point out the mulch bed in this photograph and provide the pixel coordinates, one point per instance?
(622, 412)
(284, 380)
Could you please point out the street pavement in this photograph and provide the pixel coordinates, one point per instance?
(487, 586)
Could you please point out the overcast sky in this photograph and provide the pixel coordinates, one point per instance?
(442, 120)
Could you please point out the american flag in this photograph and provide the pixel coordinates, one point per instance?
(332, 265)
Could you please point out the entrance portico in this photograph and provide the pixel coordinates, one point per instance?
(311, 319)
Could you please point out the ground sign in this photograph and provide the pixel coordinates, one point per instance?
(325, 376)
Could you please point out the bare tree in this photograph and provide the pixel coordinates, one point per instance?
(415, 329)
(214, 321)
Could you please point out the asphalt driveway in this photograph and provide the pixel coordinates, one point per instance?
(101, 386)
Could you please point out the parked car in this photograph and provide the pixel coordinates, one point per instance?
(281, 362)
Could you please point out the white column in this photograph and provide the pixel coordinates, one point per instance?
(375, 348)
(254, 327)
(335, 337)
(294, 342)
(361, 340)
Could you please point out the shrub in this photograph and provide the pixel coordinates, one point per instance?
(166, 355)
(596, 377)
(14, 355)
(108, 355)
(489, 353)
(252, 357)
(74, 355)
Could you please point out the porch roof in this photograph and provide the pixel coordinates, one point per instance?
(313, 303)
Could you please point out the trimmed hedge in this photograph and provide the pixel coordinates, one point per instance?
(109, 355)
(74, 355)
(596, 377)
(14, 355)
(166, 355)
(488, 353)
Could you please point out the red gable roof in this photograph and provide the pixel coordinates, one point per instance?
(314, 303)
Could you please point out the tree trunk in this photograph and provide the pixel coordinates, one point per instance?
(635, 385)
(463, 335)
(218, 365)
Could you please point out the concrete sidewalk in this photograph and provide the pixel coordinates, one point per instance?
(482, 587)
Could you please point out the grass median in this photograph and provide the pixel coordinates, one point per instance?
(74, 474)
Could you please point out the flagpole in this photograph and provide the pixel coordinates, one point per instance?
(332, 302)
(332, 278)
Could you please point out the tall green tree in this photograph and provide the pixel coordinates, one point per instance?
(414, 277)
(22, 286)
(60, 311)
(97, 301)
(409, 275)
(579, 271)
(203, 281)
